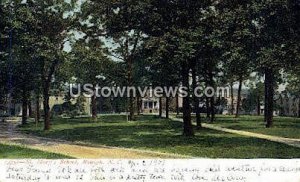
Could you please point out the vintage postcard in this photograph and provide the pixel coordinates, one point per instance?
(149, 90)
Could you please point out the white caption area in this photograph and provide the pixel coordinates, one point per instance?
(150, 170)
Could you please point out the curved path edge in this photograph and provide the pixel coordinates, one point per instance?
(10, 135)
(288, 141)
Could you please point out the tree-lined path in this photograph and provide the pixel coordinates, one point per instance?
(9, 135)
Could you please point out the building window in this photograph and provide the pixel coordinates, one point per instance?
(151, 105)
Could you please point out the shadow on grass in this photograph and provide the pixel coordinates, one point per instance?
(164, 135)
(17, 152)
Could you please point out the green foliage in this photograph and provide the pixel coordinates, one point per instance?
(256, 94)
(128, 42)
(89, 64)
(276, 32)
(293, 81)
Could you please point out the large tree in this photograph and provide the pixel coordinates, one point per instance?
(86, 54)
(161, 68)
(44, 41)
(4, 53)
(276, 36)
(176, 20)
(121, 23)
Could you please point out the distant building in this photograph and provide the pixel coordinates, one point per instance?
(55, 102)
(228, 107)
(288, 105)
(150, 105)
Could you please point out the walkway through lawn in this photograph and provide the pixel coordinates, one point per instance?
(8, 135)
(287, 141)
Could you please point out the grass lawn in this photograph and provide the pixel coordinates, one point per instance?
(18, 152)
(283, 126)
(161, 135)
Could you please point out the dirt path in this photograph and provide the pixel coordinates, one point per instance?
(8, 135)
(287, 141)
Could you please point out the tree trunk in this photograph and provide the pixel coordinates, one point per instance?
(212, 109)
(47, 75)
(129, 62)
(94, 107)
(269, 97)
(167, 107)
(131, 109)
(299, 108)
(30, 109)
(238, 105)
(177, 105)
(212, 99)
(160, 107)
(207, 103)
(138, 105)
(114, 106)
(187, 123)
(24, 108)
(232, 98)
(46, 105)
(37, 109)
(198, 115)
(258, 105)
(196, 100)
